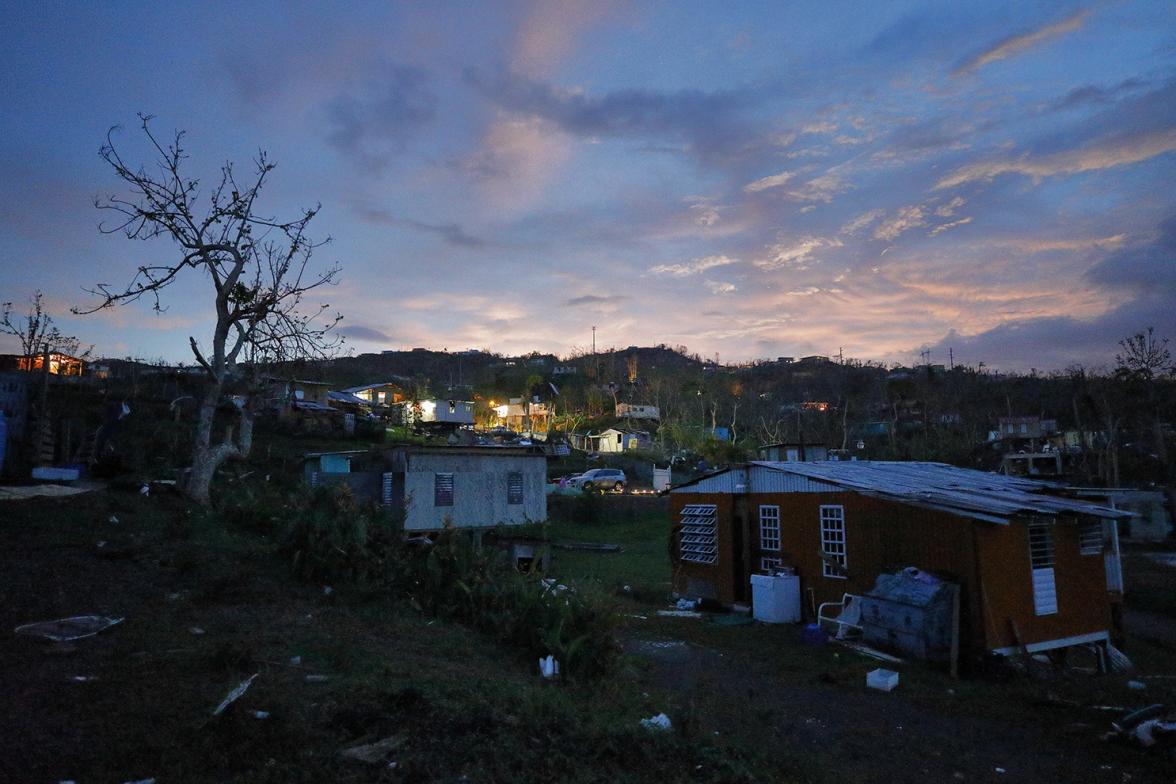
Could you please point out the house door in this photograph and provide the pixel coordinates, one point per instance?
(740, 549)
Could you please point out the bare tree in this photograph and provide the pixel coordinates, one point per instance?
(1143, 362)
(259, 270)
(37, 332)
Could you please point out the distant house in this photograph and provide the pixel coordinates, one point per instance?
(438, 412)
(1037, 571)
(564, 370)
(381, 394)
(59, 364)
(520, 415)
(791, 452)
(468, 487)
(614, 440)
(631, 411)
(1027, 427)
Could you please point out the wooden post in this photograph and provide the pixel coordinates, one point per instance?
(955, 631)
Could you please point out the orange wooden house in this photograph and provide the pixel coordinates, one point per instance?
(1035, 568)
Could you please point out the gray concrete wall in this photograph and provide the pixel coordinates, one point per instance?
(479, 491)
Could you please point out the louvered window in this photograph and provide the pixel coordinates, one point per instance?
(1090, 538)
(442, 489)
(514, 487)
(699, 539)
(1041, 557)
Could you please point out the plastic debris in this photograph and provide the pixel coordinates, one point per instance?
(83, 679)
(235, 694)
(328, 590)
(140, 781)
(260, 714)
(317, 678)
(196, 630)
(68, 629)
(374, 753)
(295, 661)
(1136, 685)
(548, 667)
(883, 680)
(679, 613)
(661, 722)
(687, 604)
(145, 491)
(114, 519)
(1000, 770)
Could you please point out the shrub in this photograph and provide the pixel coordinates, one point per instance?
(480, 588)
(333, 538)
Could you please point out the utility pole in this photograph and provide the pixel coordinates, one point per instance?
(594, 340)
(841, 354)
(950, 359)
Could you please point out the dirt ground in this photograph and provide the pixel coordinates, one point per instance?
(203, 611)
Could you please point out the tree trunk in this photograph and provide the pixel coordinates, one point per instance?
(206, 458)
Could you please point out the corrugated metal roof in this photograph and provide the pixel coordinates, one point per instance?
(979, 494)
(962, 491)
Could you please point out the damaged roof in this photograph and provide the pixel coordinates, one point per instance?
(962, 491)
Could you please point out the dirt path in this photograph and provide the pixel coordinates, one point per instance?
(841, 731)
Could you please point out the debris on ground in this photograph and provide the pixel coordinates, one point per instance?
(235, 694)
(1146, 727)
(317, 678)
(882, 680)
(548, 667)
(660, 722)
(866, 650)
(679, 614)
(260, 714)
(687, 604)
(68, 629)
(373, 753)
(196, 630)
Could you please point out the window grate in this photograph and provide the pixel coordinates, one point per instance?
(442, 489)
(1041, 546)
(699, 541)
(1090, 538)
(833, 545)
(514, 487)
(769, 517)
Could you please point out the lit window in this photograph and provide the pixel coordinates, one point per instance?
(442, 489)
(833, 541)
(769, 517)
(514, 487)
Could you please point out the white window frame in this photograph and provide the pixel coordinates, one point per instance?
(833, 542)
(769, 522)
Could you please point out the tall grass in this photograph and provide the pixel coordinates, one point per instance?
(333, 538)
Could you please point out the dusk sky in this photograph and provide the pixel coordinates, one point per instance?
(747, 179)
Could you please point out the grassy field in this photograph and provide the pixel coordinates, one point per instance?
(208, 603)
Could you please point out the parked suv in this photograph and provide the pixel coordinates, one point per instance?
(600, 479)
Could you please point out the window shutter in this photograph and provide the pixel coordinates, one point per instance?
(442, 489)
